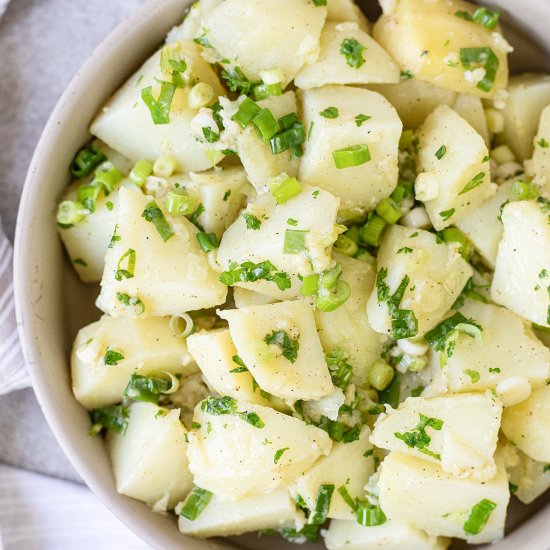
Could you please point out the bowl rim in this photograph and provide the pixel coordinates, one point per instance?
(523, 535)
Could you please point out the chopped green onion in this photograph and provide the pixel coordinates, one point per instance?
(454, 235)
(140, 172)
(322, 504)
(484, 16)
(287, 140)
(319, 3)
(246, 113)
(209, 135)
(524, 190)
(289, 346)
(331, 299)
(131, 301)
(484, 57)
(112, 357)
(279, 454)
(479, 516)
(266, 124)
(354, 155)
(437, 336)
(114, 418)
(195, 503)
(310, 285)
(159, 108)
(87, 195)
(153, 214)
(237, 81)
(440, 153)
(263, 91)
(330, 112)
(341, 371)
(284, 188)
(380, 375)
(295, 241)
(181, 326)
(353, 50)
(86, 160)
(370, 233)
(389, 211)
(473, 183)
(107, 176)
(70, 213)
(346, 246)
(207, 241)
(391, 395)
(329, 278)
(369, 515)
(148, 389)
(288, 121)
(127, 272)
(179, 203)
(165, 166)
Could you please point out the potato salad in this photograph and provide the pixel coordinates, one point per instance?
(323, 247)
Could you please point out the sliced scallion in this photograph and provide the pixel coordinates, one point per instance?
(310, 284)
(370, 233)
(195, 503)
(86, 160)
(153, 214)
(389, 211)
(159, 108)
(246, 113)
(284, 188)
(140, 172)
(354, 155)
(479, 516)
(114, 418)
(295, 241)
(207, 241)
(266, 124)
(178, 203)
(128, 271)
(322, 504)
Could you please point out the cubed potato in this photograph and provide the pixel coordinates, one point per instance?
(350, 535)
(347, 328)
(531, 478)
(466, 441)
(259, 162)
(233, 458)
(414, 99)
(191, 26)
(214, 351)
(522, 271)
(483, 226)
(125, 122)
(221, 519)
(342, 11)
(364, 185)
(426, 38)
(526, 425)
(147, 345)
(87, 241)
(345, 466)
(168, 277)
(453, 162)
(470, 108)
(508, 348)
(222, 192)
(259, 34)
(436, 271)
(539, 166)
(244, 298)
(301, 373)
(314, 212)
(529, 94)
(332, 66)
(149, 460)
(417, 492)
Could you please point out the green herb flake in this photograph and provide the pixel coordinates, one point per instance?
(543, 274)
(131, 301)
(279, 454)
(446, 214)
(288, 345)
(472, 58)
(330, 112)
(359, 119)
(405, 250)
(80, 261)
(153, 214)
(160, 107)
(292, 221)
(252, 222)
(440, 153)
(209, 135)
(352, 50)
(195, 503)
(479, 516)
(473, 183)
(113, 417)
(112, 357)
(227, 405)
(418, 438)
(494, 370)
(249, 272)
(406, 75)
(473, 374)
(543, 143)
(226, 195)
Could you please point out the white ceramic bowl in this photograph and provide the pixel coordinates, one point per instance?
(52, 305)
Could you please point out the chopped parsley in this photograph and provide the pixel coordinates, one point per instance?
(341, 371)
(227, 405)
(418, 438)
(131, 301)
(252, 222)
(446, 214)
(279, 454)
(359, 119)
(353, 50)
(237, 81)
(472, 58)
(249, 272)
(209, 135)
(484, 16)
(405, 250)
(543, 143)
(289, 346)
(330, 112)
(112, 357)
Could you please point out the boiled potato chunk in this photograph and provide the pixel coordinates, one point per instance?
(470, 108)
(453, 161)
(347, 328)
(146, 344)
(425, 37)
(350, 535)
(332, 67)
(295, 369)
(508, 349)
(233, 458)
(417, 492)
(345, 466)
(258, 161)
(341, 11)
(361, 186)
(149, 460)
(436, 271)
(244, 298)
(259, 34)
(214, 351)
(522, 271)
(126, 125)
(191, 26)
(168, 277)
(526, 425)
(483, 226)
(539, 166)
(221, 519)
(87, 241)
(466, 441)
(313, 211)
(529, 94)
(531, 478)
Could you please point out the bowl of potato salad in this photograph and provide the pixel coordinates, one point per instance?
(287, 274)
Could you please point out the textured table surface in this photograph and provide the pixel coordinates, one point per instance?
(42, 45)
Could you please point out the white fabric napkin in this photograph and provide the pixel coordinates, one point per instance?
(13, 372)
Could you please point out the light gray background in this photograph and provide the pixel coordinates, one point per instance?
(42, 45)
